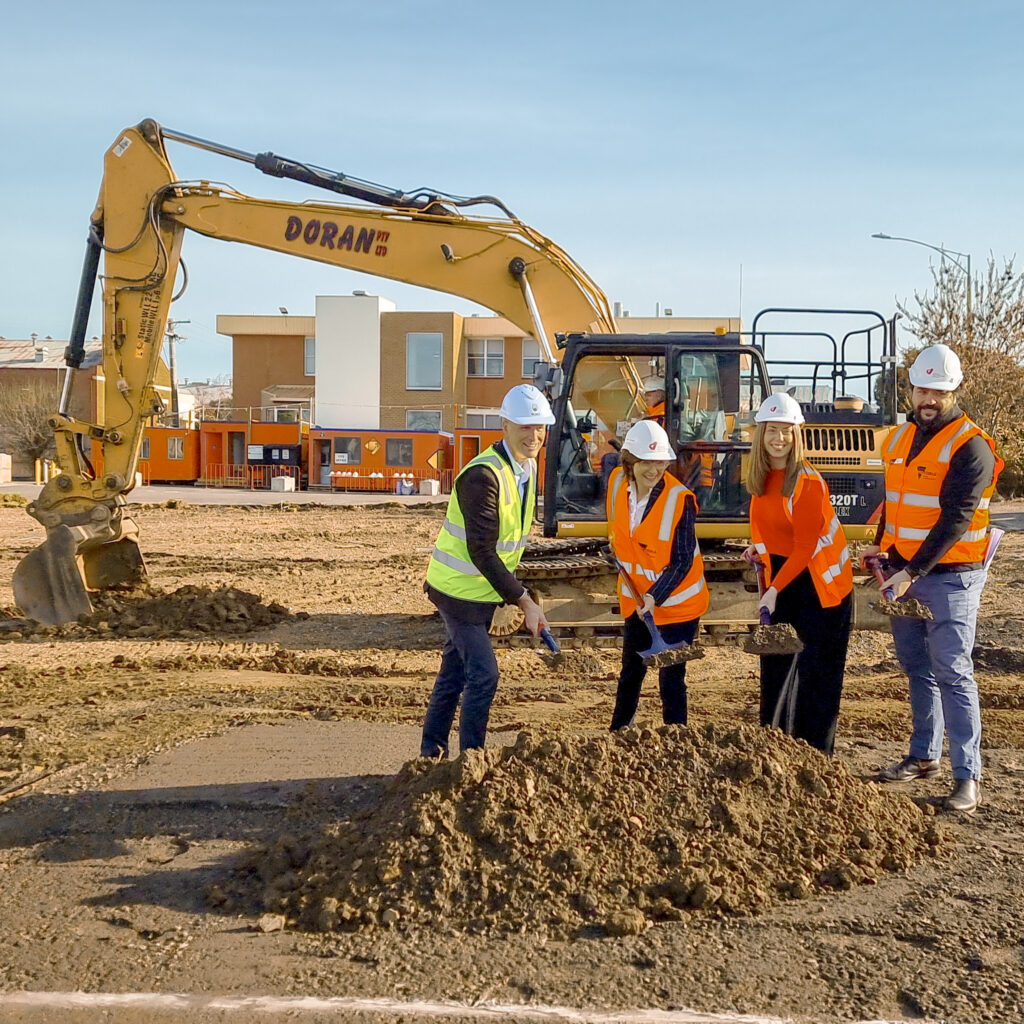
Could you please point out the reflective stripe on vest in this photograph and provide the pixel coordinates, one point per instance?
(644, 553)
(913, 493)
(451, 570)
(830, 566)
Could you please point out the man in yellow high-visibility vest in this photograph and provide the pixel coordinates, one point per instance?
(472, 569)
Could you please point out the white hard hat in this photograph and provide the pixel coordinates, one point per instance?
(780, 409)
(526, 405)
(937, 367)
(655, 382)
(647, 440)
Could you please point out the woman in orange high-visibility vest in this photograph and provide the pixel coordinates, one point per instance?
(651, 528)
(807, 566)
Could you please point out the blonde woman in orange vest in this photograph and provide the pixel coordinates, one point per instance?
(807, 566)
(652, 531)
(940, 473)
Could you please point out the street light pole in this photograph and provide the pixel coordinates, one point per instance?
(951, 255)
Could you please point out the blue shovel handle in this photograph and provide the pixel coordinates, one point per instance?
(552, 643)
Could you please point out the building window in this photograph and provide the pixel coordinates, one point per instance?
(398, 451)
(485, 357)
(144, 454)
(422, 419)
(309, 357)
(483, 419)
(531, 357)
(423, 361)
(348, 451)
(175, 447)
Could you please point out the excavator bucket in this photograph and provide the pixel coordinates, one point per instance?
(52, 582)
(48, 584)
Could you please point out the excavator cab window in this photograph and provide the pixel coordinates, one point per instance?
(604, 399)
(712, 388)
(714, 392)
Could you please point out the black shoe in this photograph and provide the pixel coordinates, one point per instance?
(907, 769)
(965, 797)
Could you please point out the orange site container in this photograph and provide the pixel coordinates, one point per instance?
(397, 461)
(168, 455)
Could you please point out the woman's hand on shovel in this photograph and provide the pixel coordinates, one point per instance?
(768, 599)
(648, 607)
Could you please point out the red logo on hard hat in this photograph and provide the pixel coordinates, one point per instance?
(929, 370)
(653, 445)
(774, 408)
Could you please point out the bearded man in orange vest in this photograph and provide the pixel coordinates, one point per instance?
(940, 473)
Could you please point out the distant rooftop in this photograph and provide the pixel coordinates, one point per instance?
(43, 354)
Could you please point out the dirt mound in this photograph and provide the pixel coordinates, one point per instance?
(152, 612)
(562, 834)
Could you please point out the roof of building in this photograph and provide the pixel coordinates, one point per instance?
(43, 354)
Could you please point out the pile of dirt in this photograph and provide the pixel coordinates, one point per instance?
(152, 612)
(564, 835)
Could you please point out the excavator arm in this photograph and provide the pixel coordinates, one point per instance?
(138, 225)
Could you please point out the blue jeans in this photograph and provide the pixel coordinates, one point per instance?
(936, 655)
(468, 670)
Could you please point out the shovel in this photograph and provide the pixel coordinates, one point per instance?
(553, 656)
(769, 637)
(660, 654)
(888, 603)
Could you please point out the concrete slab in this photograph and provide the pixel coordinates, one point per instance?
(269, 763)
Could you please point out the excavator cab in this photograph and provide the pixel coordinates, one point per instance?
(713, 384)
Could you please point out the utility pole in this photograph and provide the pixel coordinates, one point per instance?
(172, 339)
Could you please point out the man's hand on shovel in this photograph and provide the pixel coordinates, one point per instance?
(533, 614)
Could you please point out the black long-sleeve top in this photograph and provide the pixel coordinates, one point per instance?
(684, 542)
(970, 472)
(479, 494)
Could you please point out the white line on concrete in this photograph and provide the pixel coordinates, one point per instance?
(340, 1004)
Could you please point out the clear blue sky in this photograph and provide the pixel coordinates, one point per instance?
(663, 145)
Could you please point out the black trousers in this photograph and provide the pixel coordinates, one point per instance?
(671, 680)
(818, 677)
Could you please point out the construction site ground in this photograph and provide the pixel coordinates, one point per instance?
(138, 771)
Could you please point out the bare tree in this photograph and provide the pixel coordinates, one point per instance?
(24, 411)
(990, 343)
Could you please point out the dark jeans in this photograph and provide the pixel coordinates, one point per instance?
(468, 670)
(671, 680)
(818, 677)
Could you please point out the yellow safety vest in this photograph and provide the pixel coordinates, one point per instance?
(451, 570)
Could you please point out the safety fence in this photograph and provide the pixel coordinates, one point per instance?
(394, 483)
(254, 478)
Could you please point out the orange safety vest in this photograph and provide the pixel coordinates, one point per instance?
(645, 552)
(912, 503)
(700, 468)
(830, 568)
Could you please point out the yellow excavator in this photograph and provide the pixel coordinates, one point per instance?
(423, 238)
(713, 382)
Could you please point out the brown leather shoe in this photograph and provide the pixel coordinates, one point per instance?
(965, 797)
(907, 769)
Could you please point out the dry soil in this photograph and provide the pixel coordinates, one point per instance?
(307, 614)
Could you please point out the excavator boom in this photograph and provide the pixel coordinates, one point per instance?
(422, 238)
